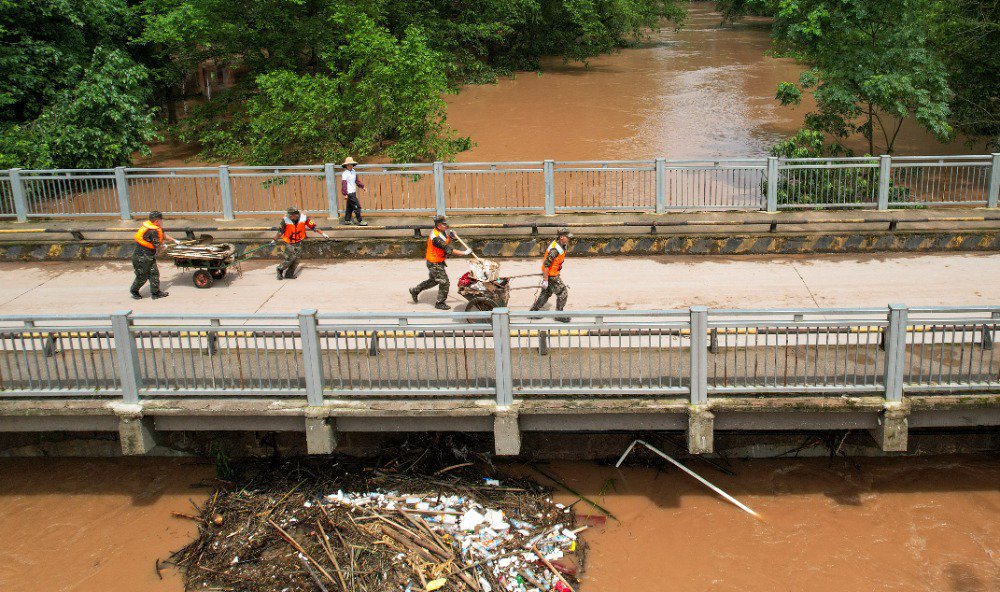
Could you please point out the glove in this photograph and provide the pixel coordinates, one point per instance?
(467, 252)
(545, 284)
(273, 242)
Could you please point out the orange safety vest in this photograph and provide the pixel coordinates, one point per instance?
(140, 235)
(557, 263)
(295, 232)
(434, 254)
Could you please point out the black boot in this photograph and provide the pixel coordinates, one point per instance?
(136, 296)
(442, 306)
(414, 295)
(160, 294)
(281, 274)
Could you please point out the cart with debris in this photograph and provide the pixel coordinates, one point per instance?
(210, 262)
(483, 287)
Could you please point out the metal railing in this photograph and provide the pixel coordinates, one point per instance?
(548, 187)
(694, 355)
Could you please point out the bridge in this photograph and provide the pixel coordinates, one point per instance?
(387, 366)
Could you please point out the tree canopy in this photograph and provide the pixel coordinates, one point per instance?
(73, 95)
(872, 65)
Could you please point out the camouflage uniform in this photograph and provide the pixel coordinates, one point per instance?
(144, 264)
(438, 277)
(556, 286)
(438, 271)
(292, 252)
(146, 269)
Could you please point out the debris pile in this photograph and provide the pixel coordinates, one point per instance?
(485, 270)
(349, 526)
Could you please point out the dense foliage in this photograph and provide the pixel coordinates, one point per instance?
(967, 35)
(872, 65)
(318, 79)
(327, 78)
(875, 63)
(72, 96)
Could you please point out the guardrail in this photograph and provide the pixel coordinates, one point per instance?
(693, 354)
(548, 187)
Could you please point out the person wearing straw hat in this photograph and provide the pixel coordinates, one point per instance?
(148, 240)
(438, 249)
(349, 184)
(552, 282)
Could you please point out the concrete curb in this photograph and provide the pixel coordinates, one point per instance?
(596, 246)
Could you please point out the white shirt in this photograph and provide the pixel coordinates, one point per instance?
(352, 180)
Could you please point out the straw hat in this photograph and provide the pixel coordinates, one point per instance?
(348, 161)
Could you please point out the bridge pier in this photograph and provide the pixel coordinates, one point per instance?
(506, 432)
(135, 430)
(321, 431)
(892, 433)
(701, 430)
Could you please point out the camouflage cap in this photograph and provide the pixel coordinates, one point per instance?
(440, 219)
(292, 210)
(564, 232)
(155, 215)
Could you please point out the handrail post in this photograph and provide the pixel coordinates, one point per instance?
(660, 166)
(129, 372)
(312, 360)
(500, 319)
(549, 177)
(226, 190)
(121, 185)
(699, 355)
(884, 176)
(439, 205)
(994, 189)
(17, 195)
(772, 184)
(895, 348)
(331, 190)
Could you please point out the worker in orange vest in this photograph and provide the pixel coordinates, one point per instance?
(438, 249)
(292, 231)
(552, 282)
(148, 240)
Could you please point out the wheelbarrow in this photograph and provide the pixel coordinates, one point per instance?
(210, 262)
(484, 296)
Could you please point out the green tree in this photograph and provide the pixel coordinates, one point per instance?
(327, 77)
(69, 99)
(734, 10)
(967, 35)
(872, 67)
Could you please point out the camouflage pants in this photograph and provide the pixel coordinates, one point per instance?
(145, 270)
(438, 277)
(292, 251)
(556, 286)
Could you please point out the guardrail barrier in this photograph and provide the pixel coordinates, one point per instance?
(694, 354)
(547, 186)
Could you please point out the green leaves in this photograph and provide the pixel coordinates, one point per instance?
(68, 100)
(872, 66)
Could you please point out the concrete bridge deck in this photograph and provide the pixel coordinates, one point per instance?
(596, 283)
(637, 283)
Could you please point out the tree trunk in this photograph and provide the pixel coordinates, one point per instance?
(871, 131)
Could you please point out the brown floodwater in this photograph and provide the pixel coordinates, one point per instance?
(913, 524)
(701, 92)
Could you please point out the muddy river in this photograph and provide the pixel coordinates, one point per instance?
(703, 91)
(700, 92)
(914, 524)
